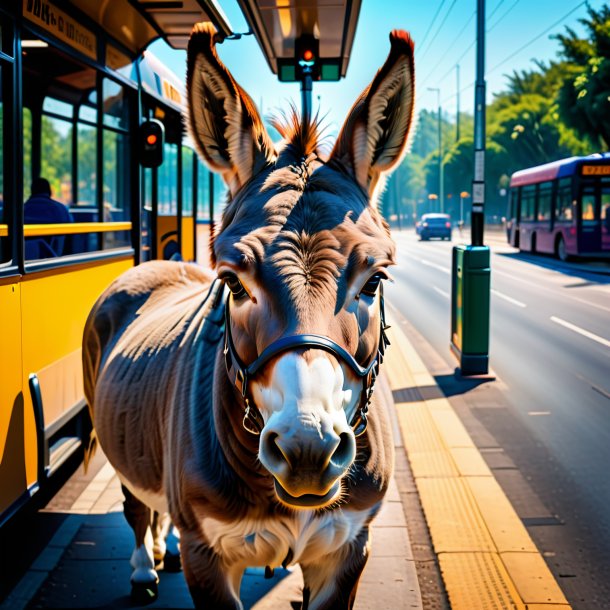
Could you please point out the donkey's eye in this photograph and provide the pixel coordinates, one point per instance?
(234, 285)
(370, 288)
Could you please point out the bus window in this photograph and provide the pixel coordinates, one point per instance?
(27, 150)
(188, 155)
(588, 206)
(1, 152)
(87, 166)
(563, 211)
(4, 245)
(56, 148)
(147, 233)
(605, 194)
(544, 201)
(116, 109)
(528, 203)
(116, 161)
(203, 196)
(168, 181)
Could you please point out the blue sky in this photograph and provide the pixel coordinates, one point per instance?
(440, 44)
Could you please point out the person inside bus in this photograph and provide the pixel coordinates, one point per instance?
(40, 208)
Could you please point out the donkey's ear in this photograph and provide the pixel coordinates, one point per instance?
(374, 135)
(223, 120)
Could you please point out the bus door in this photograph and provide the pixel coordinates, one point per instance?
(167, 230)
(589, 221)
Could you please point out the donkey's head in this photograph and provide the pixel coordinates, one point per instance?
(302, 248)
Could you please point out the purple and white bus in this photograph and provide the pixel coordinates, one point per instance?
(562, 208)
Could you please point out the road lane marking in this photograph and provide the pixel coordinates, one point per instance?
(435, 266)
(441, 292)
(507, 298)
(581, 331)
(538, 413)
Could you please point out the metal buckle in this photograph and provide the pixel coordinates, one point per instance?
(250, 421)
(240, 382)
(361, 424)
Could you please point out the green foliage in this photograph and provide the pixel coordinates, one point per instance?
(584, 97)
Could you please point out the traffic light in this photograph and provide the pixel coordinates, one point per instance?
(306, 50)
(152, 135)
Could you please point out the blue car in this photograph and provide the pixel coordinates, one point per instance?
(434, 225)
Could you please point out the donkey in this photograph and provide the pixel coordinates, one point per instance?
(237, 400)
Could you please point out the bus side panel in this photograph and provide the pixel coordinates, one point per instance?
(545, 240)
(167, 237)
(55, 306)
(188, 237)
(203, 244)
(17, 457)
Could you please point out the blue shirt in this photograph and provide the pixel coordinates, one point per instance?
(41, 209)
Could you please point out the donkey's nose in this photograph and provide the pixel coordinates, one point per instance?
(307, 461)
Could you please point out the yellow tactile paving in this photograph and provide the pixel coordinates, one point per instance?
(453, 519)
(487, 557)
(478, 581)
(502, 521)
(528, 573)
(426, 450)
(450, 427)
(469, 462)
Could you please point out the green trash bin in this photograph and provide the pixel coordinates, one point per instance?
(470, 308)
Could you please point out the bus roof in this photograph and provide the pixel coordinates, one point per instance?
(557, 169)
(136, 23)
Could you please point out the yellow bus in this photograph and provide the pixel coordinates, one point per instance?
(76, 82)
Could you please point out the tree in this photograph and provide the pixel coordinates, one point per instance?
(584, 97)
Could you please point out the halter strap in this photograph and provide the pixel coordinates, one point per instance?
(240, 373)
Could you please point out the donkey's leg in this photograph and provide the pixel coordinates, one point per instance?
(144, 578)
(207, 577)
(161, 523)
(331, 583)
(172, 562)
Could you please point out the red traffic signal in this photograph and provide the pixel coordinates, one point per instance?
(151, 143)
(306, 50)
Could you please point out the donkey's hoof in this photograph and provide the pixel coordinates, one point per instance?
(143, 593)
(172, 562)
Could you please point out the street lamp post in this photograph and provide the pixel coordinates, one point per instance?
(440, 149)
(471, 271)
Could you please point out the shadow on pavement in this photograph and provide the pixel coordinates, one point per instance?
(453, 385)
(93, 571)
(448, 385)
(594, 271)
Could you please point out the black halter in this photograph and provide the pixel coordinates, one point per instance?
(240, 373)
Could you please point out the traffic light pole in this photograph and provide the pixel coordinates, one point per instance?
(306, 88)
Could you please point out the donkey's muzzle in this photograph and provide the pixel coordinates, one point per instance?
(307, 466)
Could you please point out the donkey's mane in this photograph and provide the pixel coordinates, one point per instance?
(301, 137)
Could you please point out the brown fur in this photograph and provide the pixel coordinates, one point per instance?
(300, 232)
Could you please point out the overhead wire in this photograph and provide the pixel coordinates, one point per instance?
(521, 48)
(438, 10)
(440, 27)
(503, 15)
(438, 63)
(533, 40)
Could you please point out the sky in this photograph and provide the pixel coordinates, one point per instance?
(518, 32)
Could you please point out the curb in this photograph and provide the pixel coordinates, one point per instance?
(486, 556)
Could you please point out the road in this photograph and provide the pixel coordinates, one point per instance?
(550, 351)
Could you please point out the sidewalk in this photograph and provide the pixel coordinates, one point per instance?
(86, 563)
(486, 557)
